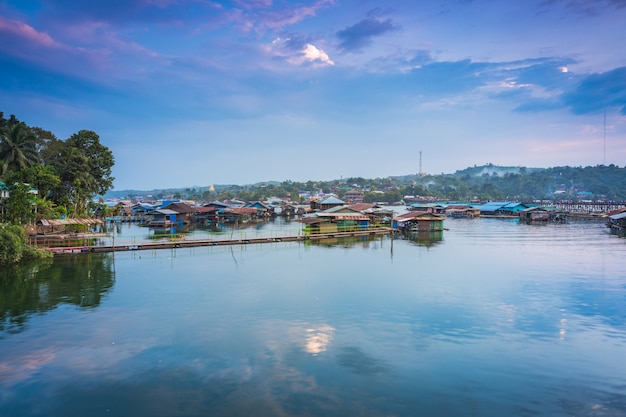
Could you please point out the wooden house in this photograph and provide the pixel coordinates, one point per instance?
(59, 226)
(419, 221)
(501, 208)
(379, 216)
(354, 196)
(294, 210)
(263, 210)
(427, 207)
(542, 214)
(462, 211)
(326, 203)
(617, 223)
(238, 215)
(206, 215)
(184, 212)
(325, 222)
(163, 218)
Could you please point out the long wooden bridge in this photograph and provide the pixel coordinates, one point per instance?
(589, 207)
(379, 231)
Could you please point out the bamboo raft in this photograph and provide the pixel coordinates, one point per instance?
(197, 243)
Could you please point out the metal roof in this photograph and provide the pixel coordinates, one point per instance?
(331, 200)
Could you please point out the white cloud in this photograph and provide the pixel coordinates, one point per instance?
(313, 54)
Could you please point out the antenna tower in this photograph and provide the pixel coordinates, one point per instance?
(604, 163)
(420, 171)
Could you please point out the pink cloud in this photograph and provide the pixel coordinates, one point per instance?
(277, 20)
(15, 29)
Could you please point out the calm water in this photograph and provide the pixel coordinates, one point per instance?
(495, 318)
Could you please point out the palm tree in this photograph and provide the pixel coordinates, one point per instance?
(17, 148)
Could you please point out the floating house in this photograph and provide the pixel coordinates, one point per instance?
(501, 208)
(294, 210)
(427, 207)
(419, 221)
(263, 210)
(185, 213)
(325, 222)
(59, 226)
(542, 214)
(617, 223)
(163, 218)
(326, 203)
(462, 211)
(238, 215)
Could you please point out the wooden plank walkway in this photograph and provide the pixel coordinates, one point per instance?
(380, 231)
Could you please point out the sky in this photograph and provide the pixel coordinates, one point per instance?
(197, 92)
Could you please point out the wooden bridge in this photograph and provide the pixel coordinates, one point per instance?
(379, 231)
(589, 207)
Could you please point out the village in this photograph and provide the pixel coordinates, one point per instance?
(326, 215)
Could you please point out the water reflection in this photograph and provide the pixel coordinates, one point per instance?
(34, 288)
(424, 238)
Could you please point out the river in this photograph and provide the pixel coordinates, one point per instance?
(490, 318)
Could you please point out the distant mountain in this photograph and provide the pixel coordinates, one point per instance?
(494, 171)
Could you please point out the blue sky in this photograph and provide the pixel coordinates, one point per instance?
(198, 92)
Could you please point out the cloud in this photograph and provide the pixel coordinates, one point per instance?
(299, 51)
(356, 37)
(589, 8)
(598, 92)
(312, 54)
(26, 33)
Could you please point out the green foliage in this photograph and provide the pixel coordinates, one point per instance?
(12, 243)
(67, 174)
(25, 292)
(35, 253)
(17, 147)
(19, 208)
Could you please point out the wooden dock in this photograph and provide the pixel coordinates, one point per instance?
(380, 231)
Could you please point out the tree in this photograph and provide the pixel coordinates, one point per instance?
(99, 157)
(20, 206)
(41, 177)
(76, 186)
(17, 148)
(84, 167)
(12, 242)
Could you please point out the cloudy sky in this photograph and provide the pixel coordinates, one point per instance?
(195, 92)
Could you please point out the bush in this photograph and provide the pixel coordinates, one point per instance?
(33, 252)
(12, 243)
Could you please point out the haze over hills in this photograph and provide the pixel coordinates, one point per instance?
(487, 181)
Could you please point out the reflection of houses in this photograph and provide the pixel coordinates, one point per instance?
(418, 221)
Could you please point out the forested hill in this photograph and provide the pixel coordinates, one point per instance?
(599, 183)
(486, 182)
